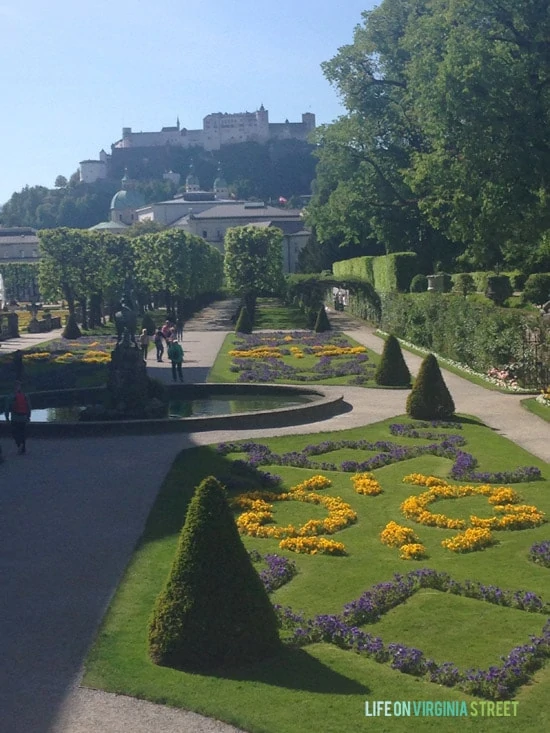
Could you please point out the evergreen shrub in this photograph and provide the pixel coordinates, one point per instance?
(419, 284)
(537, 288)
(214, 612)
(429, 398)
(244, 322)
(71, 330)
(392, 370)
(498, 289)
(322, 323)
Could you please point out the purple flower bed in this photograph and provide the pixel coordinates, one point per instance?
(272, 369)
(496, 682)
(386, 452)
(279, 571)
(540, 553)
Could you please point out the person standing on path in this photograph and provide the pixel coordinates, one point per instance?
(18, 412)
(175, 354)
(158, 338)
(179, 328)
(144, 343)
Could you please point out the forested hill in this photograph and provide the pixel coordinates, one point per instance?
(252, 170)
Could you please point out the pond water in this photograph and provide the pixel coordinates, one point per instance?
(205, 407)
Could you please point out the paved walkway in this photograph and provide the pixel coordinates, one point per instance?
(72, 510)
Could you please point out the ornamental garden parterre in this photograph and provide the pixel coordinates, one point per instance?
(506, 512)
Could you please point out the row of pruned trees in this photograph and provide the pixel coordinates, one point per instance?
(92, 269)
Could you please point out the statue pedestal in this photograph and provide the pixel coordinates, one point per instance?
(127, 384)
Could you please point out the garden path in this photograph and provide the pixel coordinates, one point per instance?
(71, 512)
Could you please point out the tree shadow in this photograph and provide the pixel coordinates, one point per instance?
(295, 669)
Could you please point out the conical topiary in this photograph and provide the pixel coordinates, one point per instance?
(392, 370)
(214, 612)
(429, 398)
(71, 330)
(244, 322)
(322, 323)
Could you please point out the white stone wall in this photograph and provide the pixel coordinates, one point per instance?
(92, 170)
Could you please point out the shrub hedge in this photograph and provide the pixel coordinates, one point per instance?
(478, 335)
(214, 612)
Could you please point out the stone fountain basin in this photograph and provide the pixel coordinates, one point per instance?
(322, 404)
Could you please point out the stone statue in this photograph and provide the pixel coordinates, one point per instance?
(126, 322)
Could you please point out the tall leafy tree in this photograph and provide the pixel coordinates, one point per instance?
(253, 259)
(478, 80)
(361, 196)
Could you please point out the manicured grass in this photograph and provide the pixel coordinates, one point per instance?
(227, 368)
(536, 408)
(273, 313)
(321, 687)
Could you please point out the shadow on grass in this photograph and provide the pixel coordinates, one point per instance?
(295, 669)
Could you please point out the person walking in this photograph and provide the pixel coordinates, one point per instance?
(144, 343)
(175, 354)
(179, 328)
(158, 341)
(18, 412)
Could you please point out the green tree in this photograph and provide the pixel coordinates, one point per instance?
(478, 82)
(177, 263)
(214, 612)
(253, 261)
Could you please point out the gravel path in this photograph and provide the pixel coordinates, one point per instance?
(72, 510)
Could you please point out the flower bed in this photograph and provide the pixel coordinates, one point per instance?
(272, 357)
(540, 553)
(477, 535)
(258, 515)
(498, 682)
(448, 446)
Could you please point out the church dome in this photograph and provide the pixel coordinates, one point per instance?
(127, 199)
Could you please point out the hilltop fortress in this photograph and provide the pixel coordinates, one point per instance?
(218, 129)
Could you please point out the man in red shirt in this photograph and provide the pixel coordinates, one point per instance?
(18, 412)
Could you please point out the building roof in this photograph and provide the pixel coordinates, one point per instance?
(248, 211)
(18, 235)
(110, 225)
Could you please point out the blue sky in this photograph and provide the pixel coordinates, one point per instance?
(73, 74)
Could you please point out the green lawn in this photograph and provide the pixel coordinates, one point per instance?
(536, 408)
(297, 358)
(321, 687)
(273, 313)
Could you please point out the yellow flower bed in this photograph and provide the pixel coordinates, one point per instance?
(504, 495)
(64, 358)
(37, 356)
(260, 352)
(96, 357)
(313, 546)
(395, 535)
(473, 538)
(296, 352)
(365, 483)
(412, 551)
(315, 483)
(329, 350)
(478, 534)
(259, 514)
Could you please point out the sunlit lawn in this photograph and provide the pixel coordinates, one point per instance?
(321, 687)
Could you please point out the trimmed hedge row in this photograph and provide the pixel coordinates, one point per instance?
(385, 272)
(478, 335)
